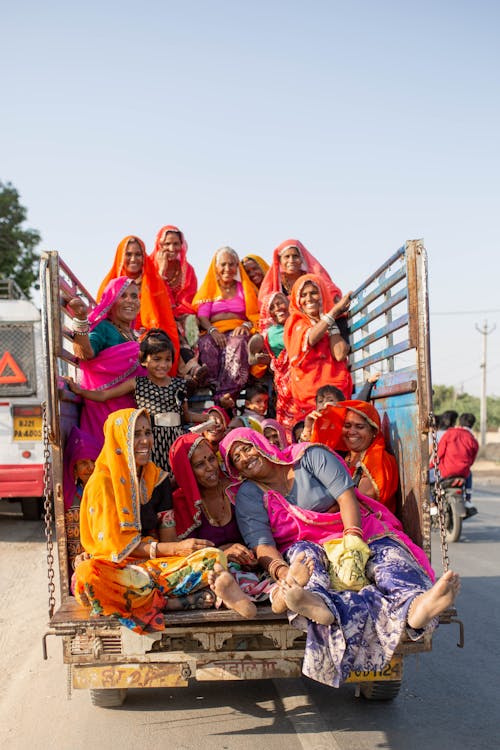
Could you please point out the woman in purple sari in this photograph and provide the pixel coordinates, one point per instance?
(107, 348)
(349, 575)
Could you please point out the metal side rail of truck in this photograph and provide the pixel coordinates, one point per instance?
(389, 330)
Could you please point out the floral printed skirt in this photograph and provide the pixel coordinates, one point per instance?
(368, 623)
(136, 591)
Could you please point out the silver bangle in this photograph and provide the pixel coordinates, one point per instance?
(153, 546)
(333, 330)
(211, 329)
(328, 319)
(248, 324)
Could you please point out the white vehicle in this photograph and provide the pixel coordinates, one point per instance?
(22, 391)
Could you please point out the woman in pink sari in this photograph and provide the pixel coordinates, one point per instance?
(349, 575)
(107, 348)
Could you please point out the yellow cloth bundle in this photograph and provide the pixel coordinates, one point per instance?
(348, 557)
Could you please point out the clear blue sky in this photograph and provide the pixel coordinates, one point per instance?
(351, 125)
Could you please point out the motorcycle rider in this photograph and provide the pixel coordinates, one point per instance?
(457, 451)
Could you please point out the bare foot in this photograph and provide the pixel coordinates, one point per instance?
(300, 570)
(204, 599)
(226, 588)
(277, 597)
(309, 605)
(434, 601)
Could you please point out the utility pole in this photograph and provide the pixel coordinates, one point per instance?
(485, 332)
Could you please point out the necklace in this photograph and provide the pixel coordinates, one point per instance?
(173, 278)
(283, 483)
(125, 331)
(219, 515)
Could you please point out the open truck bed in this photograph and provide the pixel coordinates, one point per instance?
(389, 329)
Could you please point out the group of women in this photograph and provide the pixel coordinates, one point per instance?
(247, 518)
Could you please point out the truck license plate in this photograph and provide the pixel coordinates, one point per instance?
(27, 428)
(391, 671)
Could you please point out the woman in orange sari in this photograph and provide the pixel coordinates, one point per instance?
(170, 258)
(131, 260)
(227, 309)
(256, 268)
(134, 562)
(316, 349)
(354, 426)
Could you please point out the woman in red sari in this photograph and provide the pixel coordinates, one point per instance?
(316, 349)
(170, 258)
(354, 426)
(131, 260)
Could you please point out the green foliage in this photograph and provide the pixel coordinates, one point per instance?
(446, 398)
(18, 259)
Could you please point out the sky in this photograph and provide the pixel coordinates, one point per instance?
(352, 126)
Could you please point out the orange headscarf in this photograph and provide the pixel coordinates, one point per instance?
(272, 279)
(110, 519)
(376, 463)
(185, 288)
(210, 291)
(156, 308)
(311, 367)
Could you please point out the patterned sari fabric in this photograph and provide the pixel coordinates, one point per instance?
(113, 582)
(272, 280)
(189, 515)
(228, 367)
(183, 288)
(368, 623)
(376, 463)
(311, 366)
(156, 308)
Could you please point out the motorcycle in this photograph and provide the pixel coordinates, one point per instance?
(454, 507)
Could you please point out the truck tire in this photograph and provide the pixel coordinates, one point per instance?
(31, 508)
(108, 698)
(453, 523)
(386, 690)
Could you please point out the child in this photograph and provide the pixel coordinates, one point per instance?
(256, 401)
(80, 453)
(275, 433)
(164, 396)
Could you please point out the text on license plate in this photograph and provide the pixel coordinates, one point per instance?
(27, 428)
(391, 671)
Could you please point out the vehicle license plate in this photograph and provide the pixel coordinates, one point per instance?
(391, 671)
(27, 428)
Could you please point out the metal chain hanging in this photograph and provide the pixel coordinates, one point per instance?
(48, 515)
(439, 493)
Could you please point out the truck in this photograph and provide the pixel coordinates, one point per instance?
(389, 329)
(22, 392)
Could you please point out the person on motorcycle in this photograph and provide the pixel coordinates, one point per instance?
(457, 451)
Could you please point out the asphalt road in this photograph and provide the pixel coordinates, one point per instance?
(448, 698)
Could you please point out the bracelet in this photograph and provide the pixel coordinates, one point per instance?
(81, 333)
(153, 546)
(248, 324)
(356, 530)
(211, 329)
(274, 566)
(329, 319)
(333, 329)
(80, 326)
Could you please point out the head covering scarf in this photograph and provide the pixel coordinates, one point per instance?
(287, 456)
(272, 279)
(187, 498)
(377, 463)
(275, 425)
(184, 289)
(80, 446)
(110, 294)
(263, 265)
(156, 308)
(110, 521)
(266, 319)
(210, 290)
(220, 411)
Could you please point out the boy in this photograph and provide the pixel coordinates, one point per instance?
(256, 401)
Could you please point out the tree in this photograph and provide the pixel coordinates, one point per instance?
(18, 259)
